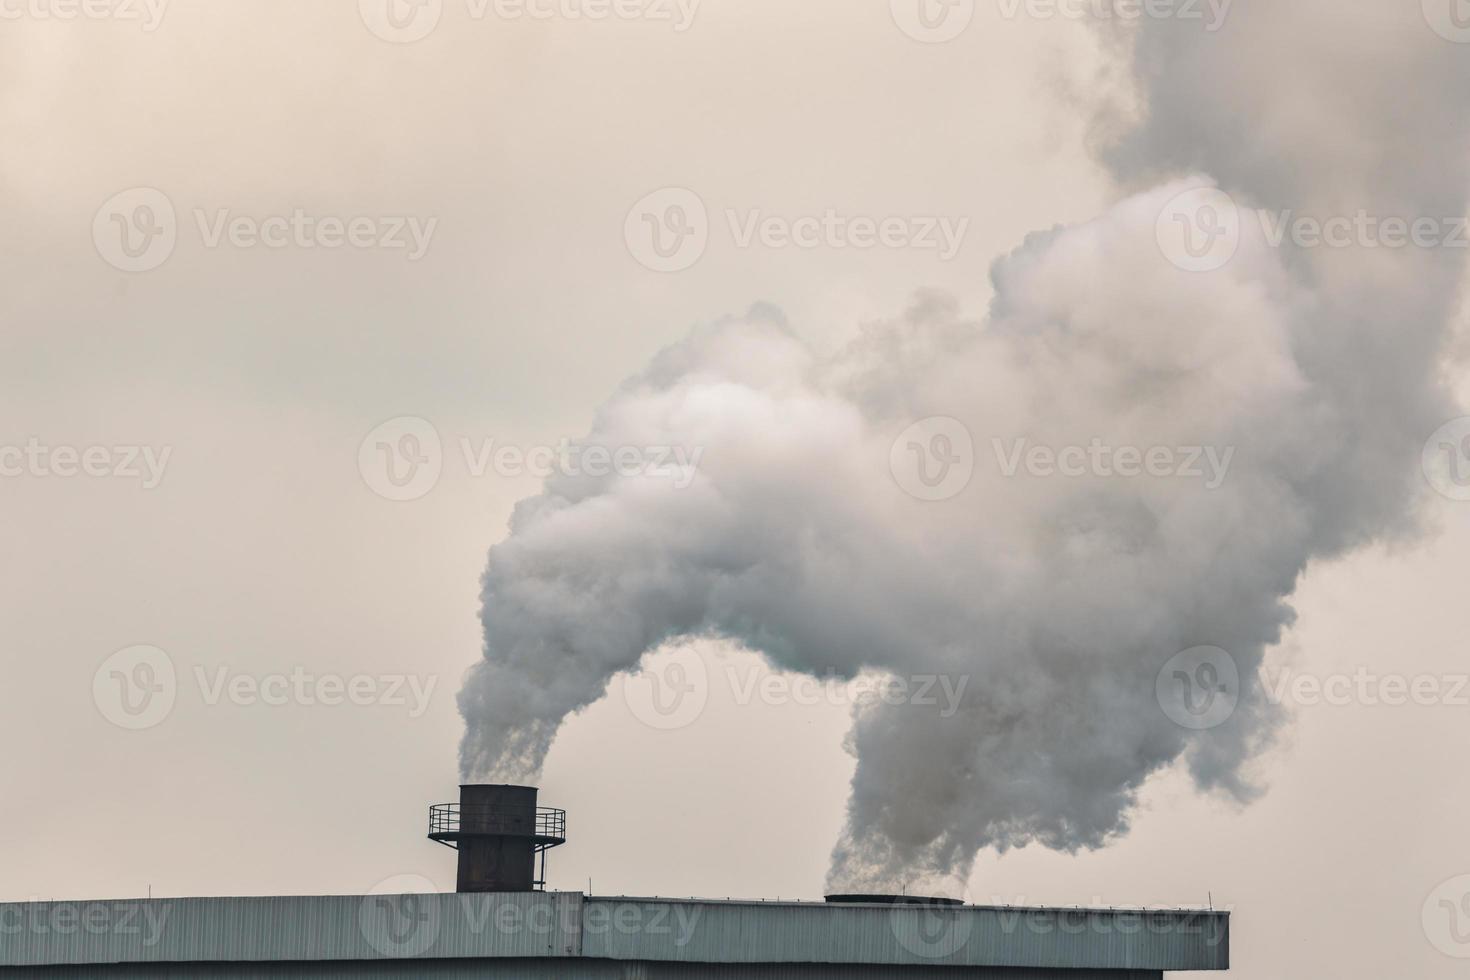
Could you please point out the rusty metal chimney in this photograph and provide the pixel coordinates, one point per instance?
(499, 832)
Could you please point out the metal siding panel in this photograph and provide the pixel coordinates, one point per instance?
(565, 925)
(371, 927)
(557, 970)
(716, 932)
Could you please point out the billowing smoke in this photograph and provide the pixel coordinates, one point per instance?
(1158, 451)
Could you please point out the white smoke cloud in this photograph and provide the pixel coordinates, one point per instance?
(1059, 598)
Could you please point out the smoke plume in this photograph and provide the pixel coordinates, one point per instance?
(1302, 381)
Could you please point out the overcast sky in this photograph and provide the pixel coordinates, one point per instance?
(232, 373)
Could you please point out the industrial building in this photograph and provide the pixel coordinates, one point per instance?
(498, 925)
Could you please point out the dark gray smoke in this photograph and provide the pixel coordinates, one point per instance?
(1309, 375)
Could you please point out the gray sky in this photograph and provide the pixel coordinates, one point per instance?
(263, 551)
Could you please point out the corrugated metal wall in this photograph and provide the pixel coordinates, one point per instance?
(717, 932)
(530, 924)
(562, 970)
(566, 927)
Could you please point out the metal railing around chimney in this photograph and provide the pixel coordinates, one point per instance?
(448, 821)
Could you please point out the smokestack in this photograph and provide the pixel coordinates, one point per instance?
(499, 832)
